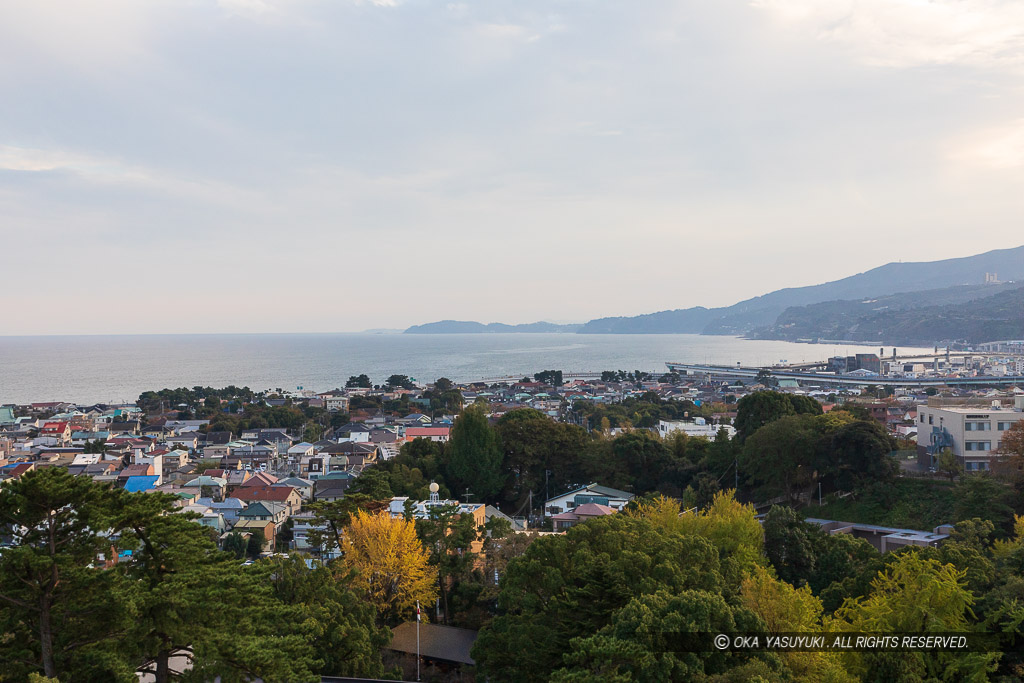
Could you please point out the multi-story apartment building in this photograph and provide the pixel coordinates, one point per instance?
(972, 432)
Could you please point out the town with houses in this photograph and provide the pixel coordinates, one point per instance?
(261, 478)
(265, 482)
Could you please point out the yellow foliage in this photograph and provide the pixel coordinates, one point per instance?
(731, 526)
(662, 512)
(783, 607)
(1003, 548)
(834, 419)
(786, 609)
(916, 595)
(911, 595)
(391, 565)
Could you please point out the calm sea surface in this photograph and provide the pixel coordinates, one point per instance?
(117, 368)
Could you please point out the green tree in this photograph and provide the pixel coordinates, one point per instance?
(372, 483)
(344, 635)
(95, 446)
(860, 455)
(474, 455)
(984, 496)
(701, 491)
(552, 377)
(399, 382)
(804, 555)
(789, 545)
(449, 536)
(780, 457)
(540, 454)
(177, 572)
(60, 615)
(637, 460)
(569, 586)
(254, 546)
(755, 410)
(235, 544)
(638, 644)
(358, 382)
(948, 465)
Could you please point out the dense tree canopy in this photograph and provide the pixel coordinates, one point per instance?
(761, 407)
(539, 452)
(474, 455)
(49, 596)
(573, 586)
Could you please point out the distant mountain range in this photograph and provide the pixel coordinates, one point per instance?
(907, 287)
(972, 313)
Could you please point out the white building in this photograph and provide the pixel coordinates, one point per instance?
(336, 404)
(698, 427)
(591, 493)
(972, 433)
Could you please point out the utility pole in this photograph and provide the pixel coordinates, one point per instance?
(417, 640)
(467, 495)
(736, 475)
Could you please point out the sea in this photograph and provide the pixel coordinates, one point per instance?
(114, 369)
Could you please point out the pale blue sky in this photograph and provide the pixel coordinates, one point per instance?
(339, 165)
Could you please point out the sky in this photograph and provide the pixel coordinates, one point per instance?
(338, 165)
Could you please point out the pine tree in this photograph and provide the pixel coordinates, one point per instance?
(475, 460)
(235, 544)
(194, 600)
(59, 614)
(254, 547)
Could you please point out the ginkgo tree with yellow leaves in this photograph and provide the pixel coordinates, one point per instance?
(914, 594)
(785, 609)
(391, 565)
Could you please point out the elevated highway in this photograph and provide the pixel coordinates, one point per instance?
(726, 372)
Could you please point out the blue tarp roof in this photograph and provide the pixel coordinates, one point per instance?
(140, 483)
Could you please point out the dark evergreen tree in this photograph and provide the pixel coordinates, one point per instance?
(474, 456)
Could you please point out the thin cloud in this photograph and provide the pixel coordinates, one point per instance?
(910, 33)
(571, 151)
(998, 147)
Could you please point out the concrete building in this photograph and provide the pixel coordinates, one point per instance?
(884, 538)
(972, 432)
(842, 365)
(696, 427)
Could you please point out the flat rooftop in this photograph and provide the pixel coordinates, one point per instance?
(974, 410)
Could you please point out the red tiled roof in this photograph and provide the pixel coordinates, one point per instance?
(278, 494)
(259, 479)
(21, 469)
(138, 470)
